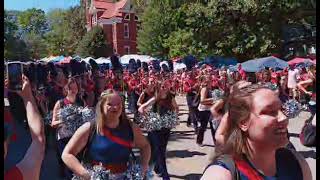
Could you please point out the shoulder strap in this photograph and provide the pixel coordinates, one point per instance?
(91, 134)
(227, 162)
(287, 163)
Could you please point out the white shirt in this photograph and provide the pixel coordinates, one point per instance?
(293, 78)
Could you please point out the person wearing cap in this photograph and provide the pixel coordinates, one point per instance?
(29, 167)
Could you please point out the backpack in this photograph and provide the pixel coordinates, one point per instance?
(308, 134)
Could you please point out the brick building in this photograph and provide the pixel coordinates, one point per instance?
(119, 23)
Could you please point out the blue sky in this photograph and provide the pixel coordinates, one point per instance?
(45, 5)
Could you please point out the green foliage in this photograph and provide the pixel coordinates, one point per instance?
(16, 49)
(55, 38)
(67, 27)
(57, 33)
(37, 46)
(244, 29)
(10, 28)
(94, 44)
(33, 21)
(75, 23)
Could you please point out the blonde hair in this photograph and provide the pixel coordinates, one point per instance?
(101, 117)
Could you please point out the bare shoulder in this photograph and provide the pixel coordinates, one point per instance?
(304, 165)
(216, 172)
(85, 127)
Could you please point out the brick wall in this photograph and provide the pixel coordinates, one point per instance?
(131, 41)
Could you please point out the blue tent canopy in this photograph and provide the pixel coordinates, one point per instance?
(256, 65)
(218, 61)
(58, 59)
(190, 61)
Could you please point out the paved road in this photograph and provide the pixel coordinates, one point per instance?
(185, 159)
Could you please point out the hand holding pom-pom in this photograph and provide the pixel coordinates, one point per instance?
(291, 108)
(217, 94)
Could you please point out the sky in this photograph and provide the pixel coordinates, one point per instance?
(45, 5)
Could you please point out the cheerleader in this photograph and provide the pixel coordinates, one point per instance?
(108, 141)
(63, 135)
(163, 102)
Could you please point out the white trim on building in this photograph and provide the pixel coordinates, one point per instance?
(126, 31)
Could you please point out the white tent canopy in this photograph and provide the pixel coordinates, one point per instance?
(164, 62)
(143, 58)
(87, 59)
(178, 66)
(102, 60)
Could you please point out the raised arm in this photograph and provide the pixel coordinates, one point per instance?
(30, 165)
(141, 98)
(223, 128)
(215, 109)
(301, 85)
(145, 105)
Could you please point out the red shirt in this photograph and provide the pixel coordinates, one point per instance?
(243, 74)
(132, 84)
(274, 78)
(188, 84)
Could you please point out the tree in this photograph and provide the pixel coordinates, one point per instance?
(94, 44)
(156, 26)
(33, 20)
(36, 45)
(16, 49)
(10, 27)
(182, 43)
(243, 29)
(67, 28)
(75, 20)
(56, 38)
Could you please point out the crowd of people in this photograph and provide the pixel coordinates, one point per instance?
(245, 122)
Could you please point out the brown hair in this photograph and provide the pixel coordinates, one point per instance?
(67, 86)
(101, 117)
(238, 106)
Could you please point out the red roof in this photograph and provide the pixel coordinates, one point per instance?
(111, 9)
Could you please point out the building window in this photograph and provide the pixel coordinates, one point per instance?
(136, 18)
(94, 18)
(127, 17)
(126, 30)
(114, 30)
(127, 49)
